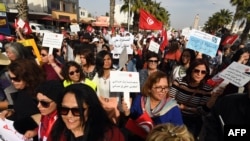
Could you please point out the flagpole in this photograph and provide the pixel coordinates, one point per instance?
(128, 14)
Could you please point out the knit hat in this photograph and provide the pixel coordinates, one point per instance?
(51, 88)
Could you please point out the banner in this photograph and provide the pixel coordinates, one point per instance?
(4, 27)
(148, 21)
(230, 39)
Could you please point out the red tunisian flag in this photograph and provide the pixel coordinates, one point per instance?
(164, 40)
(230, 39)
(25, 26)
(148, 21)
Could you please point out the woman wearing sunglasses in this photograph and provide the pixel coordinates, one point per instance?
(194, 95)
(50, 65)
(47, 97)
(73, 73)
(81, 117)
(25, 76)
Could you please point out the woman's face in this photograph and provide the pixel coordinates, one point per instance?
(17, 82)
(74, 74)
(153, 63)
(107, 62)
(12, 56)
(160, 89)
(45, 104)
(72, 121)
(44, 56)
(244, 58)
(199, 73)
(186, 57)
(83, 60)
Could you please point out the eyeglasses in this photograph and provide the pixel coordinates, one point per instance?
(153, 61)
(16, 79)
(160, 89)
(200, 71)
(44, 104)
(73, 72)
(43, 55)
(74, 111)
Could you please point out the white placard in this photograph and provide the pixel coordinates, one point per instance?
(52, 40)
(8, 132)
(20, 23)
(153, 46)
(203, 42)
(74, 28)
(126, 82)
(237, 74)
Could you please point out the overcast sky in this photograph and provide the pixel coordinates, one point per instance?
(182, 12)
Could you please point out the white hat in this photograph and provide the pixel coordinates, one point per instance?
(95, 40)
(4, 60)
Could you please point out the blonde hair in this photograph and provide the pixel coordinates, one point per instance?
(170, 132)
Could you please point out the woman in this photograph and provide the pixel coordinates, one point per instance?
(108, 100)
(194, 95)
(51, 66)
(72, 73)
(87, 59)
(153, 60)
(25, 76)
(47, 96)
(81, 117)
(155, 101)
(187, 56)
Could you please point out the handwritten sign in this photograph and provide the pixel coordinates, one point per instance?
(203, 42)
(52, 40)
(237, 74)
(126, 82)
(153, 46)
(9, 133)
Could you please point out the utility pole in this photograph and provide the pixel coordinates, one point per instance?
(128, 14)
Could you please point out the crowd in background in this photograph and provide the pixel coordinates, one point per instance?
(66, 95)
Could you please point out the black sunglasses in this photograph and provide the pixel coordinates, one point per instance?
(74, 111)
(43, 55)
(44, 104)
(16, 79)
(200, 71)
(153, 61)
(73, 72)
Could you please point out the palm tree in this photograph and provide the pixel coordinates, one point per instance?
(112, 13)
(23, 10)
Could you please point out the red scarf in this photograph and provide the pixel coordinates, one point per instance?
(46, 125)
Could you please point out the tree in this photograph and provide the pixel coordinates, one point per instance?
(112, 13)
(23, 10)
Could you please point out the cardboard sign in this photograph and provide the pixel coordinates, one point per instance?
(126, 82)
(203, 42)
(153, 46)
(237, 74)
(52, 40)
(31, 42)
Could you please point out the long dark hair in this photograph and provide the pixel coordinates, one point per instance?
(188, 78)
(97, 123)
(100, 61)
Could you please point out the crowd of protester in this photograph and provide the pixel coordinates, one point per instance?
(66, 96)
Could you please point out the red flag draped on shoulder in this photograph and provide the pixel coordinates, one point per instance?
(148, 21)
(164, 40)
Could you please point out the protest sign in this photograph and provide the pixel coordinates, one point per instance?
(203, 42)
(52, 40)
(9, 133)
(126, 82)
(74, 28)
(32, 43)
(153, 46)
(237, 74)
